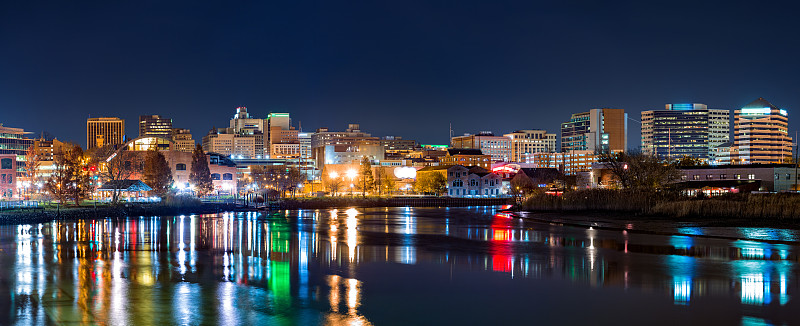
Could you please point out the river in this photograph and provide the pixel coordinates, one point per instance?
(385, 266)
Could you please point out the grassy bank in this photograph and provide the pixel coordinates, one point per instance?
(753, 206)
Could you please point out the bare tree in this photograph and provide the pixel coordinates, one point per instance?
(114, 166)
(635, 170)
(333, 183)
(70, 177)
(33, 164)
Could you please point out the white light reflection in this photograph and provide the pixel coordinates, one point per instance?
(753, 286)
(352, 233)
(181, 252)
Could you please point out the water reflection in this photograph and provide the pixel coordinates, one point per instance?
(317, 266)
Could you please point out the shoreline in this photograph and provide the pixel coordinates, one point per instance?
(667, 226)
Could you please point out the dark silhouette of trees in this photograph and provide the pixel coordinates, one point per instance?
(157, 173)
(200, 175)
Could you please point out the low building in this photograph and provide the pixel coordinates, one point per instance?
(538, 177)
(465, 181)
(128, 190)
(223, 171)
(600, 176)
(466, 157)
(8, 176)
(738, 178)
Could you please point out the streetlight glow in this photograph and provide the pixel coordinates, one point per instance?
(351, 173)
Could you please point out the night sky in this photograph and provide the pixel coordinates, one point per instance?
(404, 68)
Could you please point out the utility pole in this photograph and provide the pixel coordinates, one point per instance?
(795, 160)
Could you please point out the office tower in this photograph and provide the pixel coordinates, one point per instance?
(104, 131)
(529, 141)
(598, 130)
(182, 140)
(498, 147)
(760, 134)
(244, 139)
(684, 130)
(344, 147)
(282, 137)
(243, 123)
(155, 126)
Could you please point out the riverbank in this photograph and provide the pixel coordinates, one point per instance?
(782, 206)
(344, 202)
(41, 215)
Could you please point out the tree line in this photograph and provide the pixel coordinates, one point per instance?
(76, 173)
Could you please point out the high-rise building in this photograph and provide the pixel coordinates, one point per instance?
(498, 147)
(242, 123)
(596, 130)
(526, 142)
(155, 126)
(684, 130)
(281, 120)
(761, 134)
(46, 148)
(344, 147)
(244, 139)
(395, 147)
(104, 131)
(182, 140)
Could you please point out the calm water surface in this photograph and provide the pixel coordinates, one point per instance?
(386, 266)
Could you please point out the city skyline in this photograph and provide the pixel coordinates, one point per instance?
(396, 69)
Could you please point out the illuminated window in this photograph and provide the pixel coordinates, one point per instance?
(215, 176)
(227, 176)
(180, 167)
(751, 176)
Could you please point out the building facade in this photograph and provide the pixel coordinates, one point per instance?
(761, 134)
(244, 139)
(13, 141)
(526, 142)
(465, 182)
(466, 157)
(714, 180)
(155, 125)
(596, 130)
(104, 131)
(8, 176)
(182, 140)
(684, 130)
(342, 147)
(498, 147)
(569, 163)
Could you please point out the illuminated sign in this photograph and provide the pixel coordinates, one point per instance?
(755, 111)
(405, 172)
(784, 113)
(505, 169)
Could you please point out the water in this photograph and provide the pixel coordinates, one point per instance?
(386, 266)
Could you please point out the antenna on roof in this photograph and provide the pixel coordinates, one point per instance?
(451, 131)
